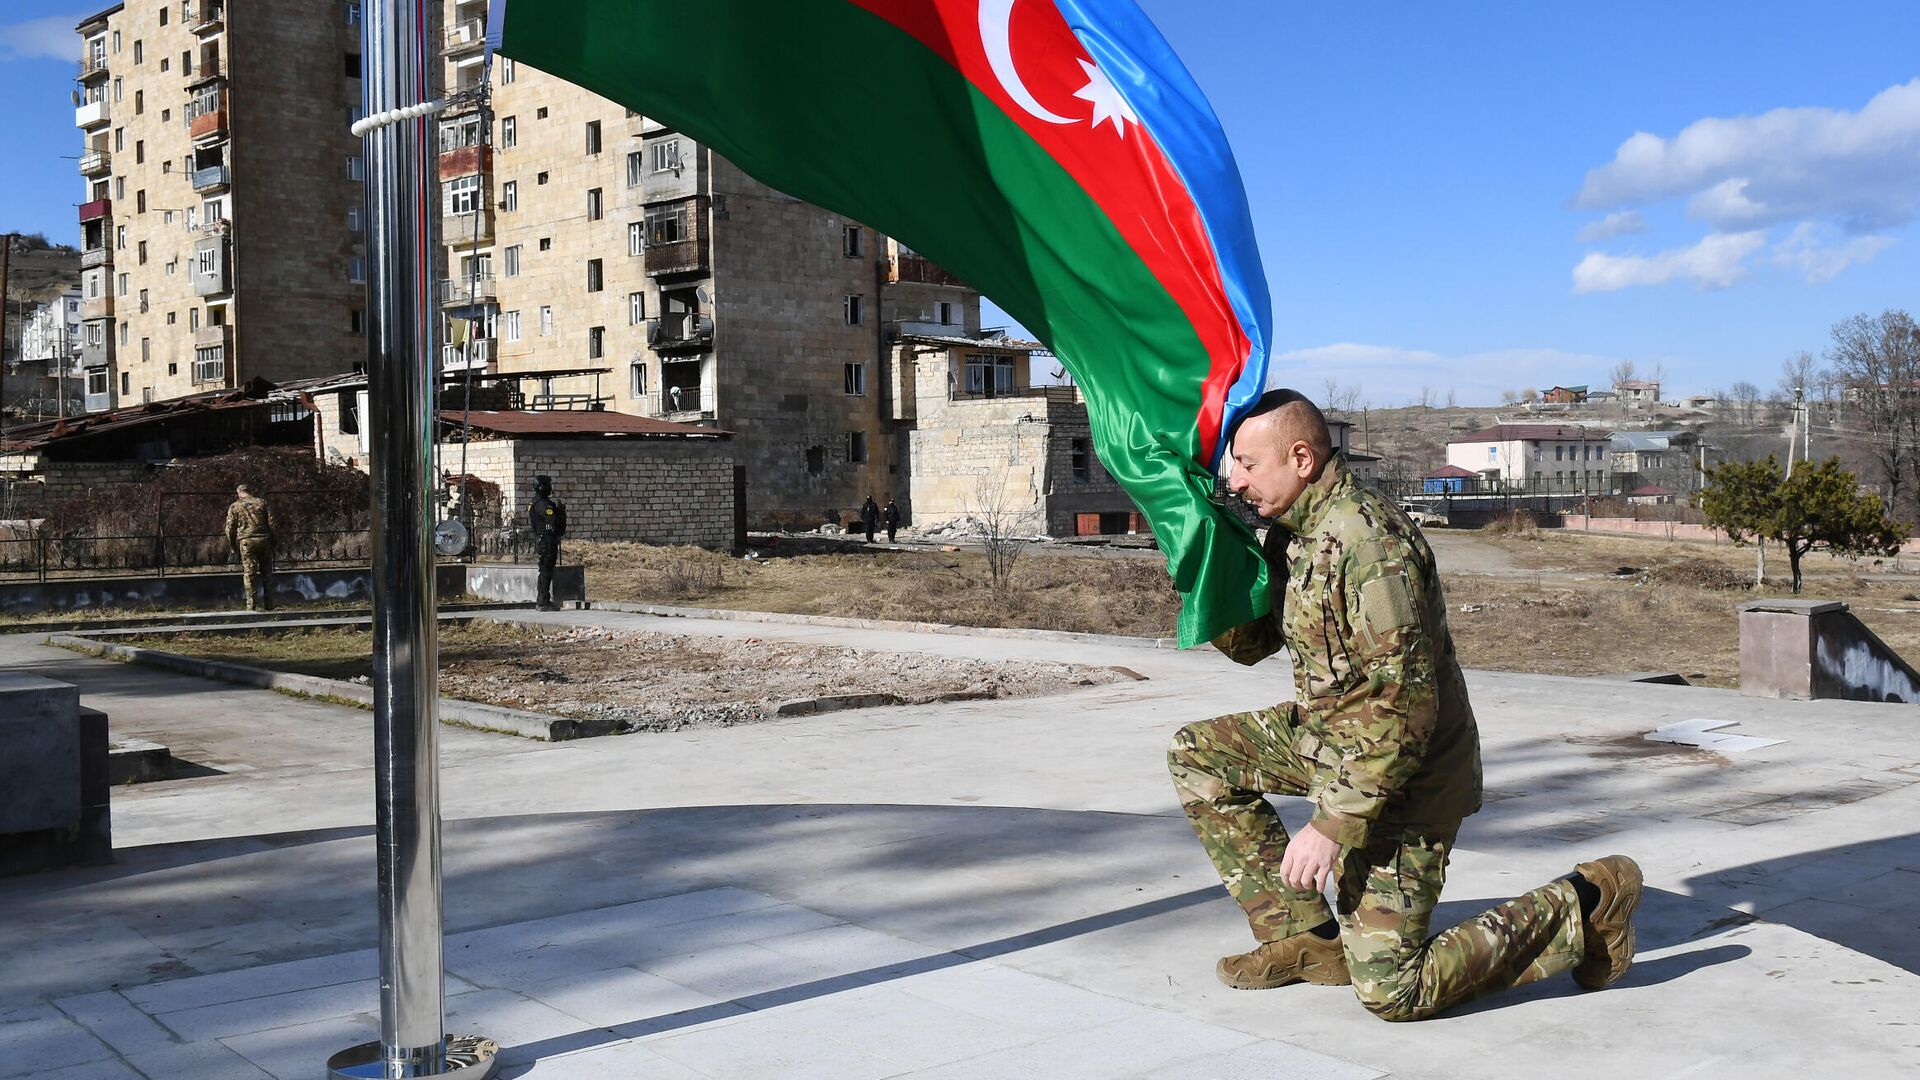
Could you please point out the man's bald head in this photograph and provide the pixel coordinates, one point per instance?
(1287, 417)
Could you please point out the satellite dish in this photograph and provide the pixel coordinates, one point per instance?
(76, 98)
(703, 295)
(450, 537)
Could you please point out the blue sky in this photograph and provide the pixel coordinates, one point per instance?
(1472, 196)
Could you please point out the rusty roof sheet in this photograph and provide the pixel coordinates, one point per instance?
(37, 435)
(582, 422)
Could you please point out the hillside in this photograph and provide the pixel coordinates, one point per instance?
(1412, 441)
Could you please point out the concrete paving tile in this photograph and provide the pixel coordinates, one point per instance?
(753, 1047)
(115, 1021)
(47, 1040)
(92, 1070)
(617, 996)
(1264, 1061)
(273, 1011)
(1102, 1053)
(732, 972)
(621, 1061)
(853, 948)
(222, 987)
(199, 1061)
(910, 1031)
(515, 1022)
(300, 1052)
(1019, 1000)
(620, 922)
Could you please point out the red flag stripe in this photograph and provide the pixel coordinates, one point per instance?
(1131, 179)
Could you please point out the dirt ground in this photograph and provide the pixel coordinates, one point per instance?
(646, 681)
(1546, 601)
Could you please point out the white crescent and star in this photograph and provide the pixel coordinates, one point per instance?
(1109, 107)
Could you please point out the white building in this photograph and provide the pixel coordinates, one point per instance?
(52, 328)
(1535, 457)
(1637, 392)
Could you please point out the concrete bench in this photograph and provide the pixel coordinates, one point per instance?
(54, 794)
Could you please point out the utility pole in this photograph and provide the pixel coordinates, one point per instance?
(6, 258)
(1799, 419)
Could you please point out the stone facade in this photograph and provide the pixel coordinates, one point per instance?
(983, 440)
(222, 207)
(579, 235)
(654, 491)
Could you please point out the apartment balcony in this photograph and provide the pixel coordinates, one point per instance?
(203, 17)
(93, 67)
(95, 210)
(466, 161)
(208, 270)
(210, 68)
(99, 307)
(469, 291)
(470, 228)
(96, 256)
(96, 163)
(475, 354)
(212, 180)
(679, 334)
(920, 270)
(99, 354)
(466, 37)
(684, 257)
(209, 125)
(93, 114)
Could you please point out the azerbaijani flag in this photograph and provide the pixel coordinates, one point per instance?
(1054, 154)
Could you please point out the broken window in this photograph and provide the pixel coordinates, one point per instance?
(666, 225)
(856, 377)
(816, 460)
(1082, 471)
(856, 447)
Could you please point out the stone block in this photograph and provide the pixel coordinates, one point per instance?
(39, 754)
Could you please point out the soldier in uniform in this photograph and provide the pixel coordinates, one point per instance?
(250, 534)
(1382, 740)
(547, 516)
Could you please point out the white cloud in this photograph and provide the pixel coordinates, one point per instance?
(1855, 169)
(48, 38)
(1813, 251)
(1717, 261)
(1618, 223)
(1389, 375)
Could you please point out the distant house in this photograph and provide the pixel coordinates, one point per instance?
(1652, 495)
(1449, 480)
(1637, 392)
(1534, 457)
(1565, 395)
(1701, 401)
(1670, 459)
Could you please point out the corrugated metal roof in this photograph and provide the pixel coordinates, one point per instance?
(42, 433)
(1650, 440)
(574, 423)
(1451, 472)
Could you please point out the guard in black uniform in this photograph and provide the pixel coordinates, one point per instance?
(547, 516)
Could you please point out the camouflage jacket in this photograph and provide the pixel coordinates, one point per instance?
(1383, 708)
(249, 518)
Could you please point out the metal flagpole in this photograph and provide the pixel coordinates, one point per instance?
(398, 47)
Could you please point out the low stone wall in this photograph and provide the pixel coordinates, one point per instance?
(488, 581)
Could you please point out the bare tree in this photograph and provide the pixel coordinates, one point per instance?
(999, 516)
(1876, 364)
(1508, 397)
(1746, 399)
(1530, 395)
(1452, 398)
(1622, 372)
(1426, 397)
(1798, 374)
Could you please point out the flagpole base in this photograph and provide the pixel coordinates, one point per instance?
(467, 1057)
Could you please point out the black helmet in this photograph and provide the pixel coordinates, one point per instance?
(542, 484)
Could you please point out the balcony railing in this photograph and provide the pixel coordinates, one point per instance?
(91, 66)
(96, 256)
(473, 289)
(211, 179)
(203, 16)
(93, 114)
(679, 399)
(95, 210)
(466, 36)
(210, 67)
(96, 163)
(477, 353)
(681, 333)
(207, 120)
(100, 307)
(468, 228)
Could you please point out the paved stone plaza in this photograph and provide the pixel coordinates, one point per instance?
(968, 890)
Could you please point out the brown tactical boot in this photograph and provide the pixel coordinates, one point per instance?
(1609, 930)
(1304, 957)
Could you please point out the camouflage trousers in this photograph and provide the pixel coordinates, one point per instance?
(256, 571)
(1223, 770)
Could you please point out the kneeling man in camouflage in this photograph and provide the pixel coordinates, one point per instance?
(1382, 740)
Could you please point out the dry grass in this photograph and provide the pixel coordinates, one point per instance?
(1102, 594)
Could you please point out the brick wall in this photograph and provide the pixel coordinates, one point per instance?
(655, 491)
